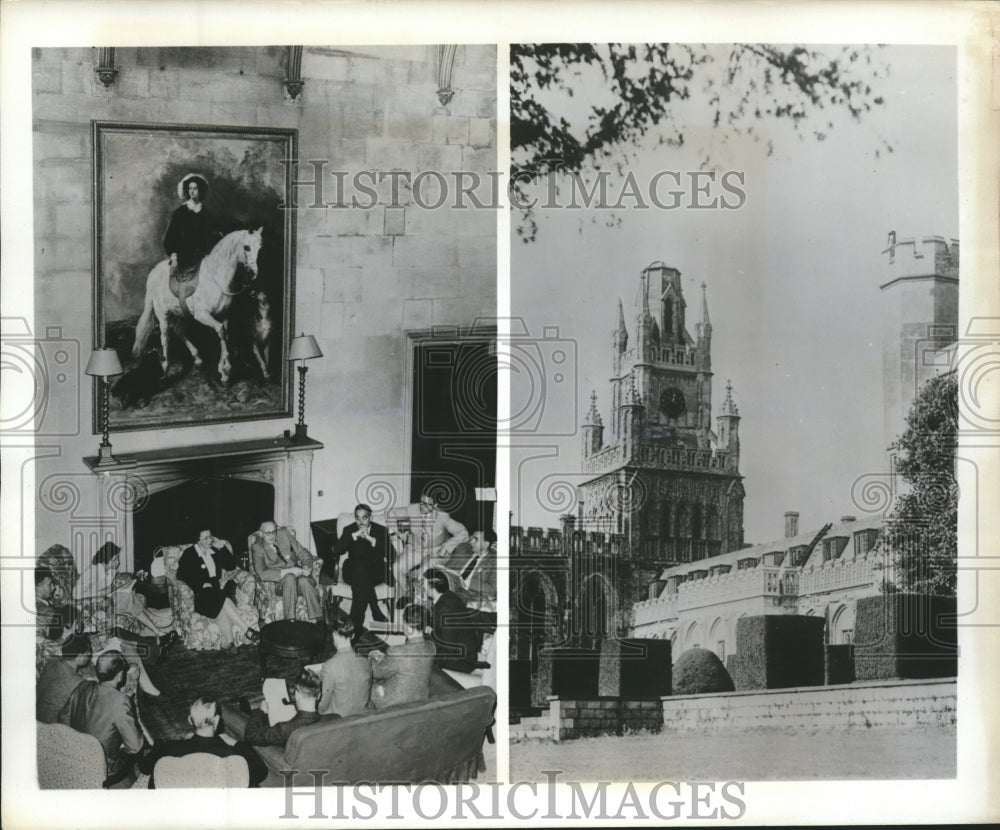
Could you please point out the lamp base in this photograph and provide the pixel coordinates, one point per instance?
(105, 458)
(300, 432)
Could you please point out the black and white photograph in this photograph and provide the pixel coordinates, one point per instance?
(222, 599)
(733, 547)
(490, 414)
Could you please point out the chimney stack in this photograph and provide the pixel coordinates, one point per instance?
(791, 523)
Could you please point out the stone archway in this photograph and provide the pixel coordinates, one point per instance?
(535, 618)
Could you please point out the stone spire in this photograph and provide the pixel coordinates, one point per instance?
(729, 429)
(592, 429)
(728, 406)
(593, 416)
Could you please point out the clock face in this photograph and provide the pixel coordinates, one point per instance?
(672, 403)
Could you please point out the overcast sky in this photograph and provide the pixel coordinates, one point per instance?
(793, 290)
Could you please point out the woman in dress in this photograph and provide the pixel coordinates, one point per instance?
(99, 582)
(200, 568)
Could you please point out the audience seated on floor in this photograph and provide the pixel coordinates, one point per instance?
(403, 673)
(60, 676)
(204, 718)
(456, 630)
(55, 625)
(259, 731)
(103, 710)
(346, 678)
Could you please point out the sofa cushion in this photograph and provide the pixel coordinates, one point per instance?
(438, 739)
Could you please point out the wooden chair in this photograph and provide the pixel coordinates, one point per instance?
(69, 760)
(201, 769)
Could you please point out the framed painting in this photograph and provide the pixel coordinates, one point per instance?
(194, 258)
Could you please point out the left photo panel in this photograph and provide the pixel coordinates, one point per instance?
(265, 379)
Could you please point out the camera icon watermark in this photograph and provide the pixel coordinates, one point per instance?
(544, 381)
(36, 372)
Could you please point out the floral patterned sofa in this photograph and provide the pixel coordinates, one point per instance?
(268, 600)
(198, 632)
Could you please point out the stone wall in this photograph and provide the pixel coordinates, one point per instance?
(899, 704)
(602, 716)
(362, 281)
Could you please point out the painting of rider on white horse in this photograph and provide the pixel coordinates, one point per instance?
(198, 302)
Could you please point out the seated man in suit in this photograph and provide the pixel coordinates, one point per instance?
(204, 718)
(367, 547)
(445, 533)
(306, 693)
(278, 557)
(103, 710)
(457, 634)
(346, 678)
(476, 562)
(403, 673)
(60, 676)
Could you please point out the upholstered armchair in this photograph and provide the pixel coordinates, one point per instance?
(198, 632)
(67, 759)
(268, 596)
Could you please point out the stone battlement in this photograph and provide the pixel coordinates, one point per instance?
(536, 540)
(928, 256)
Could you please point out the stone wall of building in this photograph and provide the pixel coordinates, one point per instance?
(602, 716)
(363, 277)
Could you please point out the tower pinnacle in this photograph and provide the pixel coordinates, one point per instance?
(728, 407)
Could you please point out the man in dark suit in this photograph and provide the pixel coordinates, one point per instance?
(204, 718)
(200, 568)
(456, 630)
(367, 547)
(258, 732)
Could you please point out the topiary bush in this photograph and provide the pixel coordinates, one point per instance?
(699, 671)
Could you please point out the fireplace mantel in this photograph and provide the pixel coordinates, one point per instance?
(283, 462)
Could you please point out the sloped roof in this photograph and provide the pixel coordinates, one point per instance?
(782, 544)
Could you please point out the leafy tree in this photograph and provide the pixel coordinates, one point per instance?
(922, 531)
(646, 85)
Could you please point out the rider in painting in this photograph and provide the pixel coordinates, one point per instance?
(190, 235)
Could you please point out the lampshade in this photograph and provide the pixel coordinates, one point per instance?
(304, 347)
(104, 363)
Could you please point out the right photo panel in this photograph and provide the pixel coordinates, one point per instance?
(734, 290)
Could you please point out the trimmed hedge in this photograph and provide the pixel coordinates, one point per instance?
(779, 651)
(571, 672)
(634, 668)
(735, 668)
(699, 671)
(907, 636)
(519, 684)
(839, 664)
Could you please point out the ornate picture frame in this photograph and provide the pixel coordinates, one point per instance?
(217, 195)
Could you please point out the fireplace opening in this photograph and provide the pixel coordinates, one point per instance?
(231, 508)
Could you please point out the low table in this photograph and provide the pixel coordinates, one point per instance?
(290, 640)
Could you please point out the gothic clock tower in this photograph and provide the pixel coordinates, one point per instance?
(663, 478)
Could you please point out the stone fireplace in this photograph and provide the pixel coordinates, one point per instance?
(140, 479)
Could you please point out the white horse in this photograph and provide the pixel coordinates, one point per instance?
(209, 300)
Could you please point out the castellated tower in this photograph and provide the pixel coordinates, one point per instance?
(661, 476)
(920, 319)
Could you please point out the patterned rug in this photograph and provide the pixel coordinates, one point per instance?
(186, 675)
